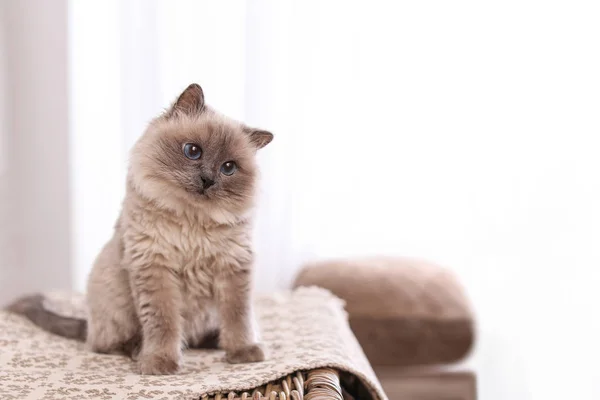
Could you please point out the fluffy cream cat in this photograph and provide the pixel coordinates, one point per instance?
(178, 269)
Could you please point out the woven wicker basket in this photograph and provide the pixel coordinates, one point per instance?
(322, 384)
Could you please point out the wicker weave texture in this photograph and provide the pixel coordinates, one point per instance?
(321, 384)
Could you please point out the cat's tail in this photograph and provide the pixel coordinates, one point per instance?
(32, 307)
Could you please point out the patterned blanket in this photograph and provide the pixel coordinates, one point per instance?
(301, 330)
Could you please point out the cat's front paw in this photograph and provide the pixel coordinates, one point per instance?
(248, 354)
(158, 364)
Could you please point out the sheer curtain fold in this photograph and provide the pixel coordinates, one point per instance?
(6, 252)
(34, 172)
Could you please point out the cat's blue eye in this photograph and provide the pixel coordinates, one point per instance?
(192, 151)
(228, 168)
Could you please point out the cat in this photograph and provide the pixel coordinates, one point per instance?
(178, 268)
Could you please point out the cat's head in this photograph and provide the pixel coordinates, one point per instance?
(192, 156)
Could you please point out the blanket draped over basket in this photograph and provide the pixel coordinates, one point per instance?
(301, 330)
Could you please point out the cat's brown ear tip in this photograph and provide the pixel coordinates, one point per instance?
(194, 91)
(194, 86)
(190, 101)
(261, 138)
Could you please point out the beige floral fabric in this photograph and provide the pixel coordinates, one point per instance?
(301, 330)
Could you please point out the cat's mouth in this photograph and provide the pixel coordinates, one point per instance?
(198, 191)
(204, 192)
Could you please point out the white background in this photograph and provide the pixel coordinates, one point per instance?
(466, 133)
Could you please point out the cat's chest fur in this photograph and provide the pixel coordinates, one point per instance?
(197, 252)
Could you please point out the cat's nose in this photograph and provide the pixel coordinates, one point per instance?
(206, 182)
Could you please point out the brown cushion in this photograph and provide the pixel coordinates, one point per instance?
(403, 312)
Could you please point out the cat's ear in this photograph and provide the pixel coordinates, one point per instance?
(190, 102)
(259, 138)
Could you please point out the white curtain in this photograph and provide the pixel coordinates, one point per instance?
(5, 248)
(462, 132)
(34, 171)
